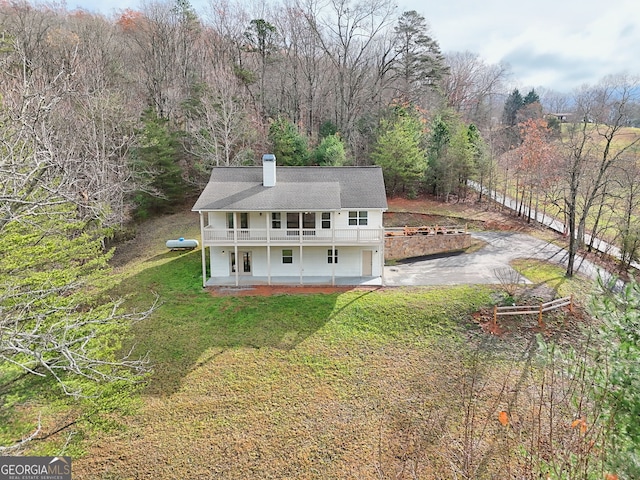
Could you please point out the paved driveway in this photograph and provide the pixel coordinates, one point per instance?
(479, 267)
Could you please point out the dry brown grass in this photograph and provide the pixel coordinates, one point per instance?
(313, 413)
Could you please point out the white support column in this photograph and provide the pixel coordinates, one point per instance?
(301, 266)
(381, 253)
(301, 231)
(268, 219)
(333, 249)
(211, 262)
(204, 254)
(235, 246)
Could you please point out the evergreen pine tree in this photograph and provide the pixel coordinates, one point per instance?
(420, 63)
(156, 163)
(330, 151)
(399, 152)
(531, 97)
(289, 146)
(513, 103)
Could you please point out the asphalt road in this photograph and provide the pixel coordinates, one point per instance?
(481, 266)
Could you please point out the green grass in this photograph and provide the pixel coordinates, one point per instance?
(190, 323)
(340, 385)
(306, 380)
(553, 276)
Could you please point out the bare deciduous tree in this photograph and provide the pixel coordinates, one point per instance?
(627, 177)
(471, 84)
(162, 42)
(592, 146)
(220, 125)
(348, 33)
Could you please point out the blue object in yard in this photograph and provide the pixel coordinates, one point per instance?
(182, 243)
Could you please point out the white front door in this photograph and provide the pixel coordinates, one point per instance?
(367, 263)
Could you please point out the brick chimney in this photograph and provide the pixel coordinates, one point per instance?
(269, 170)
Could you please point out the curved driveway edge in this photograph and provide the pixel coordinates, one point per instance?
(479, 267)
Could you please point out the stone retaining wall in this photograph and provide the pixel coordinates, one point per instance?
(400, 247)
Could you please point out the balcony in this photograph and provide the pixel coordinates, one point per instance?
(289, 236)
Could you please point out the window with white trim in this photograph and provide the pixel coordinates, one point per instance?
(276, 220)
(244, 220)
(332, 256)
(358, 217)
(287, 256)
(326, 219)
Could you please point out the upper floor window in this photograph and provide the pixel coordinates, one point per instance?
(242, 216)
(326, 219)
(293, 220)
(358, 217)
(309, 220)
(276, 221)
(244, 220)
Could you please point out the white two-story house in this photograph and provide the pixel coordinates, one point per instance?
(292, 225)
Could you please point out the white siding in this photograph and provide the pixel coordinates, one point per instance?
(315, 261)
(218, 220)
(258, 260)
(219, 263)
(258, 219)
(374, 219)
(279, 269)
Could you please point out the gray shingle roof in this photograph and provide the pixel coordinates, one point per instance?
(296, 188)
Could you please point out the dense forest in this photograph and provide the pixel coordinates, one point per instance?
(129, 113)
(124, 116)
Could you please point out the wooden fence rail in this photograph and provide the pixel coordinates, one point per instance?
(533, 309)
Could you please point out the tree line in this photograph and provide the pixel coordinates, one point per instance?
(579, 165)
(137, 108)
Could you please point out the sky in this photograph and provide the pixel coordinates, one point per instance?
(558, 45)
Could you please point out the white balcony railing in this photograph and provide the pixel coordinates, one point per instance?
(214, 236)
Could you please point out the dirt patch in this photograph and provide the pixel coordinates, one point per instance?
(151, 235)
(564, 325)
(411, 219)
(268, 290)
(428, 211)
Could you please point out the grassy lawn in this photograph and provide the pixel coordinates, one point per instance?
(286, 386)
(553, 276)
(341, 385)
(363, 384)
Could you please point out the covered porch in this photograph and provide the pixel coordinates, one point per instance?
(230, 281)
(299, 265)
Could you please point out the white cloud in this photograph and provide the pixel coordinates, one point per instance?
(551, 43)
